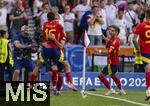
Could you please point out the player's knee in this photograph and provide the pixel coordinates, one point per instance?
(147, 68)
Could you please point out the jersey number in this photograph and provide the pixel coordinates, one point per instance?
(50, 33)
(147, 33)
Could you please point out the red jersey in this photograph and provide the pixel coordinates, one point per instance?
(143, 30)
(113, 46)
(53, 28)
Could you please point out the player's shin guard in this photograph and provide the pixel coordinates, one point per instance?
(104, 81)
(54, 77)
(60, 81)
(69, 77)
(148, 80)
(117, 81)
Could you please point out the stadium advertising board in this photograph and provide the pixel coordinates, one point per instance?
(129, 80)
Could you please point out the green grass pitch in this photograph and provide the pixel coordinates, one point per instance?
(70, 98)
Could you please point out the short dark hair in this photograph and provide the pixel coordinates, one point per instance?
(2, 32)
(51, 16)
(116, 28)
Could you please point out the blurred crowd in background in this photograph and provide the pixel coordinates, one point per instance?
(94, 16)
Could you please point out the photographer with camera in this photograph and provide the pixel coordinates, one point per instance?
(22, 52)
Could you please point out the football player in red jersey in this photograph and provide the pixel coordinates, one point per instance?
(141, 42)
(53, 42)
(111, 68)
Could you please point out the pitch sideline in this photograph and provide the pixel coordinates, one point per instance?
(110, 97)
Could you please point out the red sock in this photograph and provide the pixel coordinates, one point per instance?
(117, 81)
(60, 81)
(69, 77)
(104, 81)
(147, 79)
(33, 77)
(54, 77)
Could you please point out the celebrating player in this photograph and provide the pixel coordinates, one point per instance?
(54, 40)
(142, 46)
(113, 45)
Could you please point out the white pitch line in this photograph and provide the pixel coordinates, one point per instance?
(124, 100)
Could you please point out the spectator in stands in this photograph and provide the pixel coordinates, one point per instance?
(10, 5)
(37, 5)
(3, 15)
(83, 23)
(17, 16)
(139, 10)
(103, 11)
(95, 21)
(130, 38)
(120, 22)
(59, 18)
(122, 4)
(61, 6)
(80, 9)
(68, 24)
(111, 12)
(22, 52)
(62, 3)
(43, 14)
(131, 17)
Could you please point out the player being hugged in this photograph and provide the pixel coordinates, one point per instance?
(54, 39)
